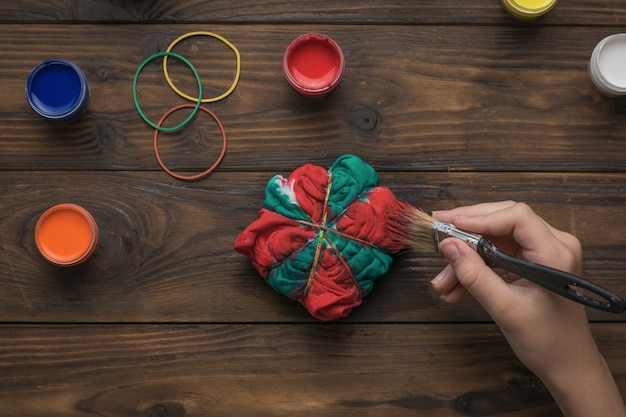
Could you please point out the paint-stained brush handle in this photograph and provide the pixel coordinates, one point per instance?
(557, 281)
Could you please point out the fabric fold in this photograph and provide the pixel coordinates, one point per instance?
(320, 237)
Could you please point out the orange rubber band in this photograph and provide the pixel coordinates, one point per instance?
(195, 176)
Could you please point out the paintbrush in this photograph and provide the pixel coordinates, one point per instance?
(412, 228)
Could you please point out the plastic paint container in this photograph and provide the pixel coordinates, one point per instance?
(313, 64)
(528, 9)
(57, 90)
(66, 234)
(607, 66)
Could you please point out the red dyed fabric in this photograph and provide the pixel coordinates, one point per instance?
(320, 237)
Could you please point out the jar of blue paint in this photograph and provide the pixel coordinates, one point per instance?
(57, 90)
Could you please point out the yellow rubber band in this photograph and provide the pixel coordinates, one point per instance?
(321, 237)
(210, 99)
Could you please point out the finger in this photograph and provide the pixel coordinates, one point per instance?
(524, 233)
(454, 295)
(445, 280)
(446, 284)
(474, 210)
(477, 278)
(571, 257)
(529, 230)
(503, 221)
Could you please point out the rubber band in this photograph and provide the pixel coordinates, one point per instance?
(334, 231)
(203, 100)
(141, 113)
(204, 173)
(345, 265)
(321, 236)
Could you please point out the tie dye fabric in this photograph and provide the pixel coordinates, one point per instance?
(320, 236)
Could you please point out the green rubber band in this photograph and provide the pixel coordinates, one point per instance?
(198, 103)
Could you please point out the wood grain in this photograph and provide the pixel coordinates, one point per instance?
(452, 103)
(165, 251)
(573, 12)
(413, 99)
(273, 369)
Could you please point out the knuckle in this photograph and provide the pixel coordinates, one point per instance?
(523, 209)
(469, 276)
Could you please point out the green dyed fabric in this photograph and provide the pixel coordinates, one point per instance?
(320, 237)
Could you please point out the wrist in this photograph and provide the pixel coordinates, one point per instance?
(585, 387)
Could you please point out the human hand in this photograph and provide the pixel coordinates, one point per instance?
(549, 333)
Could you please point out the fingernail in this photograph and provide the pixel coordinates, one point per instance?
(438, 278)
(450, 251)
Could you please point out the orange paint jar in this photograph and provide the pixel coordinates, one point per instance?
(66, 234)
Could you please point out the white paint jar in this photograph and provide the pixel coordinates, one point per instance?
(607, 66)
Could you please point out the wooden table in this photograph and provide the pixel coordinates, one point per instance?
(451, 103)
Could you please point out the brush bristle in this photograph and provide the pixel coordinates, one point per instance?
(410, 228)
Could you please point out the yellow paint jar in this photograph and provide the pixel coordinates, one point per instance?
(528, 9)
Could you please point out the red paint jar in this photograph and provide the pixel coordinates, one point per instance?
(313, 64)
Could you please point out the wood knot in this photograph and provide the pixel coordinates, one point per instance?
(523, 391)
(154, 43)
(102, 73)
(106, 135)
(364, 119)
(170, 409)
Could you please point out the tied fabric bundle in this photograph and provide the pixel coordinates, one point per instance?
(320, 237)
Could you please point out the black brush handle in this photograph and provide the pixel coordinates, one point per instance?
(557, 281)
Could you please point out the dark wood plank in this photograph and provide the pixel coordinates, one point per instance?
(438, 102)
(452, 103)
(166, 247)
(573, 12)
(278, 370)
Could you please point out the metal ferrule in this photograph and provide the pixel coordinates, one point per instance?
(442, 230)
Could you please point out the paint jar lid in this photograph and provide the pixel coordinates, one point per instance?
(313, 64)
(57, 90)
(66, 234)
(528, 9)
(607, 66)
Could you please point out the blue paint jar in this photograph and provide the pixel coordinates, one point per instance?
(57, 90)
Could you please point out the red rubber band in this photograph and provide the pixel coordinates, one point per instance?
(204, 173)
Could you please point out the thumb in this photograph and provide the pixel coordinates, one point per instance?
(472, 272)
